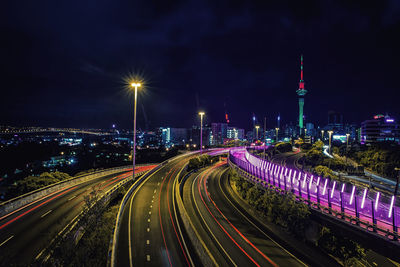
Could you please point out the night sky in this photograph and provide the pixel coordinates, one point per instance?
(63, 62)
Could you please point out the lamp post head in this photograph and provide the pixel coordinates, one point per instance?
(257, 126)
(135, 84)
(201, 113)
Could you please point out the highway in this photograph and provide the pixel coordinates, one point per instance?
(25, 232)
(231, 237)
(150, 233)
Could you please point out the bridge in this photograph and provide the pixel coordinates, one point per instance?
(361, 207)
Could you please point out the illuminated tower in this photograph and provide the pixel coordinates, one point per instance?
(301, 92)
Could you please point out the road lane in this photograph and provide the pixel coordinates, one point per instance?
(35, 225)
(149, 232)
(229, 237)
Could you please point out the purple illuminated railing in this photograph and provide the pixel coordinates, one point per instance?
(361, 206)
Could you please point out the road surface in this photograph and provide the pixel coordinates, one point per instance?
(230, 236)
(27, 231)
(150, 233)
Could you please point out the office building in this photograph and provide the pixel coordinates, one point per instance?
(380, 129)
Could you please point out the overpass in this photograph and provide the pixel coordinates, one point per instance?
(371, 211)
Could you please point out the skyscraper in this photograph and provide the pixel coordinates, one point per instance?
(301, 92)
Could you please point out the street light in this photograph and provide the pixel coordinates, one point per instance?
(134, 85)
(201, 131)
(330, 140)
(322, 133)
(257, 127)
(305, 132)
(277, 130)
(347, 140)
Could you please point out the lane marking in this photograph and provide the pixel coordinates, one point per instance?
(5, 241)
(35, 207)
(204, 179)
(151, 206)
(71, 198)
(148, 257)
(253, 224)
(45, 213)
(155, 190)
(27, 205)
(149, 212)
(161, 226)
(129, 233)
(169, 210)
(130, 215)
(148, 219)
(174, 196)
(148, 242)
(215, 219)
(148, 229)
(196, 179)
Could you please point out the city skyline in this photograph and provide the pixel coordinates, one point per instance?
(82, 87)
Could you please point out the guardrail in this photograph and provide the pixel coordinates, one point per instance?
(368, 210)
(17, 202)
(103, 199)
(197, 242)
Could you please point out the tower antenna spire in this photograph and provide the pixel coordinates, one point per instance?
(301, 84)
(301, 92)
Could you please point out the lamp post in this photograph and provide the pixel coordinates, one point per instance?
(257, 127)
(135, 85)
(322, 133)
(305, 132)
(347, 140)
(277, 131)
(330, 141)
(201, 131)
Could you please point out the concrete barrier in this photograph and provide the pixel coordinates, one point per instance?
(20, 201)
(198, 244)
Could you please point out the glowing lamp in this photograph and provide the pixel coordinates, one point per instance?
(352, 194)
(391, 207)
(363, 199)
(377, 200)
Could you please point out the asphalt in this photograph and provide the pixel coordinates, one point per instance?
(229, 236)
(149, 233)
(25, 233)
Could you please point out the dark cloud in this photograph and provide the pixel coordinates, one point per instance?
(63, 61)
